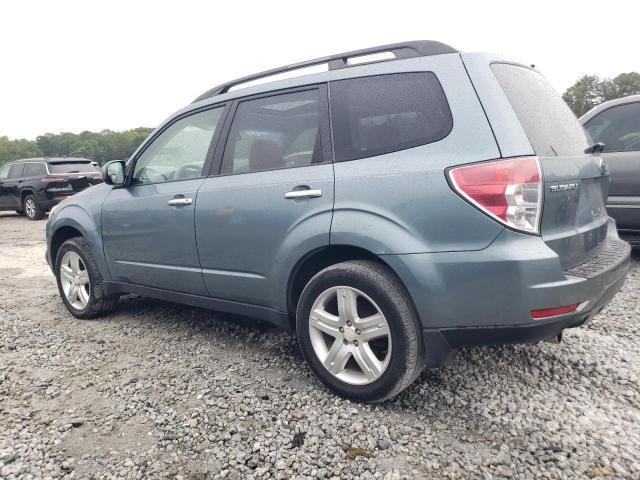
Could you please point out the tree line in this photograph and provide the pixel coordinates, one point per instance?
(101, 146)
(590, 91)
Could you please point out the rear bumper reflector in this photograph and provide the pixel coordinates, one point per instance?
(552, 312)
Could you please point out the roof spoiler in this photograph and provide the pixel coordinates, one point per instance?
(420, 48)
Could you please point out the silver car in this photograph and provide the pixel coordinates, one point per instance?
(388, 212)
(616, 124)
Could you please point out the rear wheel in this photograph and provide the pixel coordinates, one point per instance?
(32, 209)
(80, 282)
(359, 332)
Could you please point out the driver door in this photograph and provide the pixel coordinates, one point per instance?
(4, 193)
(148, 224)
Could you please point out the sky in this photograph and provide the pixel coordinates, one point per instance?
(94, 65)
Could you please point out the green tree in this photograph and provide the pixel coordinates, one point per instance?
(590, 91)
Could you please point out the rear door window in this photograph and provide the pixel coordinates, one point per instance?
(74, 167)
(551, 126)
(617, 127)
(386, 113)
(16, 170)
(276, 132)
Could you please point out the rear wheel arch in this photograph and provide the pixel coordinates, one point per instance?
(319, 259)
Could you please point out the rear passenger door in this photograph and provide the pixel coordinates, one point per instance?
(270, 196)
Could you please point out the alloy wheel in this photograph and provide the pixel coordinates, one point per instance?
(350, 335)
(74, 278)
(30, 207)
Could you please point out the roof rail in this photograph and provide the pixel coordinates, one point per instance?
(420, 48)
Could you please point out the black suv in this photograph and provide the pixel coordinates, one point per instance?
(33, 185)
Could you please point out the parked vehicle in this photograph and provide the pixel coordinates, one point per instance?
(33, 186)
(388, 211)
(616, 124)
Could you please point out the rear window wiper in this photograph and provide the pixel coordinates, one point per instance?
(597, 147)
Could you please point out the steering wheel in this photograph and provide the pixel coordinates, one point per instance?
(189, 170)
(147, 174)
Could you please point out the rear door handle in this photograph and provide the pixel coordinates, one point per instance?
(180, 201)
(293, 194)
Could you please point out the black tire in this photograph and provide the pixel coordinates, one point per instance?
(20, 212)
(381, 285)
(34, 212)
(98, 304)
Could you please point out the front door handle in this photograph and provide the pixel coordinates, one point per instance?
(180, 201)
(293, 194)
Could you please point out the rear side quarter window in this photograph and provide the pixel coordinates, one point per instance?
(386, 113)
(552, 128)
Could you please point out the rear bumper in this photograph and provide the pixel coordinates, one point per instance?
(486, 297)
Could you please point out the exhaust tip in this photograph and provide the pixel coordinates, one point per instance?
(556, 339)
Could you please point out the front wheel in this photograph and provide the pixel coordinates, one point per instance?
(80, 282)
(359, 332)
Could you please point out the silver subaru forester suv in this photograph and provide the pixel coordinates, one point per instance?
(407, 201)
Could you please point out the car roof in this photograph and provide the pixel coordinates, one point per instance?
(605, 105)
(52, 160)
(419, 48)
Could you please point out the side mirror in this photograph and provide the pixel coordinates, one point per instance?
(113, 173)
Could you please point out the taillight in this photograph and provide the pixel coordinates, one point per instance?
(508, 190)
(54, 178)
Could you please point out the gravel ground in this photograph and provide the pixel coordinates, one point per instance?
(163, 391)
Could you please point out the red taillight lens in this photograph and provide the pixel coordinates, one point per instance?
(508, 190)
(551, 312)
(54, 178)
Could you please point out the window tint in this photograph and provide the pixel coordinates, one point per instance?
(282, 131)
(180, 151)
(551, 126)
(376, 115)
(617, 127)
(16, 170)
(34, 170)
(74, 167)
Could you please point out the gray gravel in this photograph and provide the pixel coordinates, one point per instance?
(162, 391)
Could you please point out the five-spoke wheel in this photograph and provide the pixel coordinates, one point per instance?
(350, 335)
(359, 332)
(75, 280)
(79, 280)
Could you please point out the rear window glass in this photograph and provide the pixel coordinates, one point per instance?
(74, 167)
(547, 120)
(382, 114)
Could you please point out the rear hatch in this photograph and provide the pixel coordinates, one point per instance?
(73, 176)
(574, 219)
